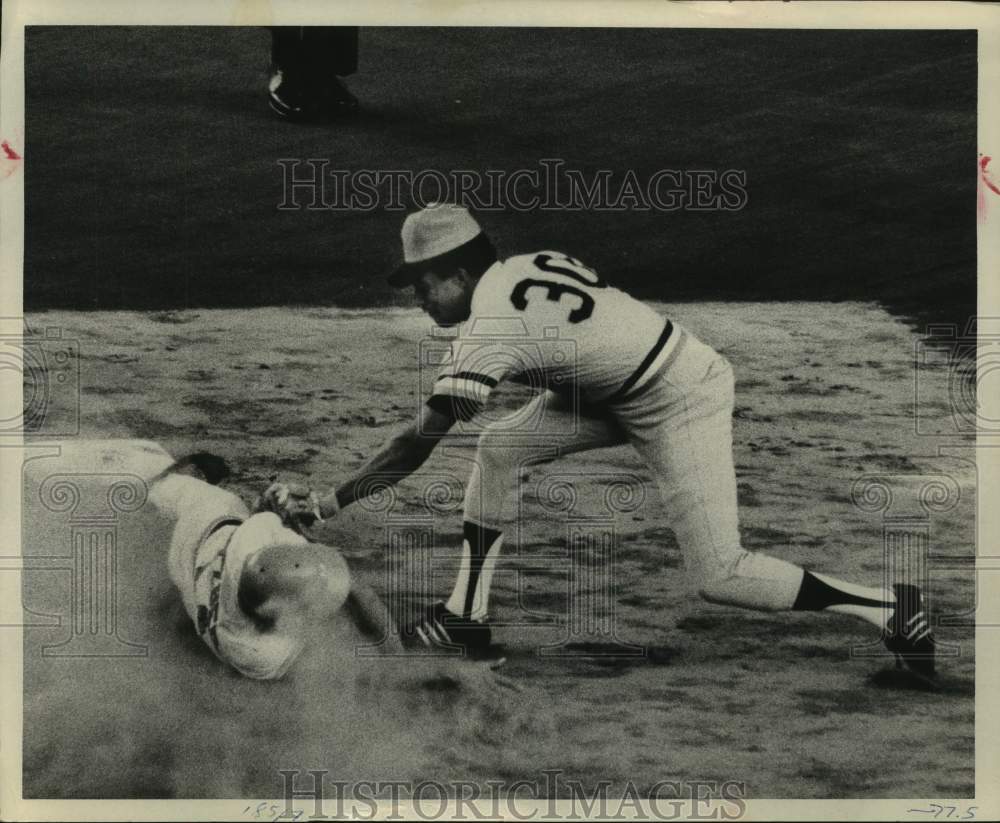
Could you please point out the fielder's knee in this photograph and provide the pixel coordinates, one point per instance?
(713, 581)
(497, 463)
(493, 440)
(752, 581)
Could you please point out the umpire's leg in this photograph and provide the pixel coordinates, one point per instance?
(317, 52)
(306, 62)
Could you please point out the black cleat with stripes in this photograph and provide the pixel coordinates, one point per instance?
(908, 632)
(438, 629)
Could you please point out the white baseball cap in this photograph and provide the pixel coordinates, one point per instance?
(429, 233)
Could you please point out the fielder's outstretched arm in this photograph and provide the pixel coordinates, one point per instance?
(399, 458)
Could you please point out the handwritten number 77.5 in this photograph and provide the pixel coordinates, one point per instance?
(937, 810)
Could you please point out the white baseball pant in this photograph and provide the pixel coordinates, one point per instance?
(680, 423)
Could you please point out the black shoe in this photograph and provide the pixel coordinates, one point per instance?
(212, 468)
(908, 632)
(439, 629)
(308, 101)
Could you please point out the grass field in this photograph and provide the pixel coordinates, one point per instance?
(152, 176)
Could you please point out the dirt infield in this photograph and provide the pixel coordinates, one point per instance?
(824, 397)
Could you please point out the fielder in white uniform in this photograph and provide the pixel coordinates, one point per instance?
(642, 379)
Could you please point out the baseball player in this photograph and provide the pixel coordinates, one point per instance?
(253, 585)
(643, 380)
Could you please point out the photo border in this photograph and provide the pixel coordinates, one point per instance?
(585, 13)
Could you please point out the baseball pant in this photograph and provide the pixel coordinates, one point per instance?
(315, 52)
(680, 423)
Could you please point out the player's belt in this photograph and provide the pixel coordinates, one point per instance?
(657, 358)
(212, 529)
(207, 618)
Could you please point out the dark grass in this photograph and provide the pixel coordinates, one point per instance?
(152, 176)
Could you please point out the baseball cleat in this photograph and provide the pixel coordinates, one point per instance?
(439, 629)
(908, 632)
(212, 467)
(308, 102)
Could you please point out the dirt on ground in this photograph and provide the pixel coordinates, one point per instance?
(642, 681)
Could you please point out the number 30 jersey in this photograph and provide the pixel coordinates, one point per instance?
(548, 320)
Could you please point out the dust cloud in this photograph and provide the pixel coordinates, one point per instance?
(176, 723)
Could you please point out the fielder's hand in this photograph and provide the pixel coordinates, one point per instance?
(295, 503)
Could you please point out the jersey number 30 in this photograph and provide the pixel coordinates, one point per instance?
(567, 267)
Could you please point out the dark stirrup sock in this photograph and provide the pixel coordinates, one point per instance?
(480, 540)
(815, 595)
